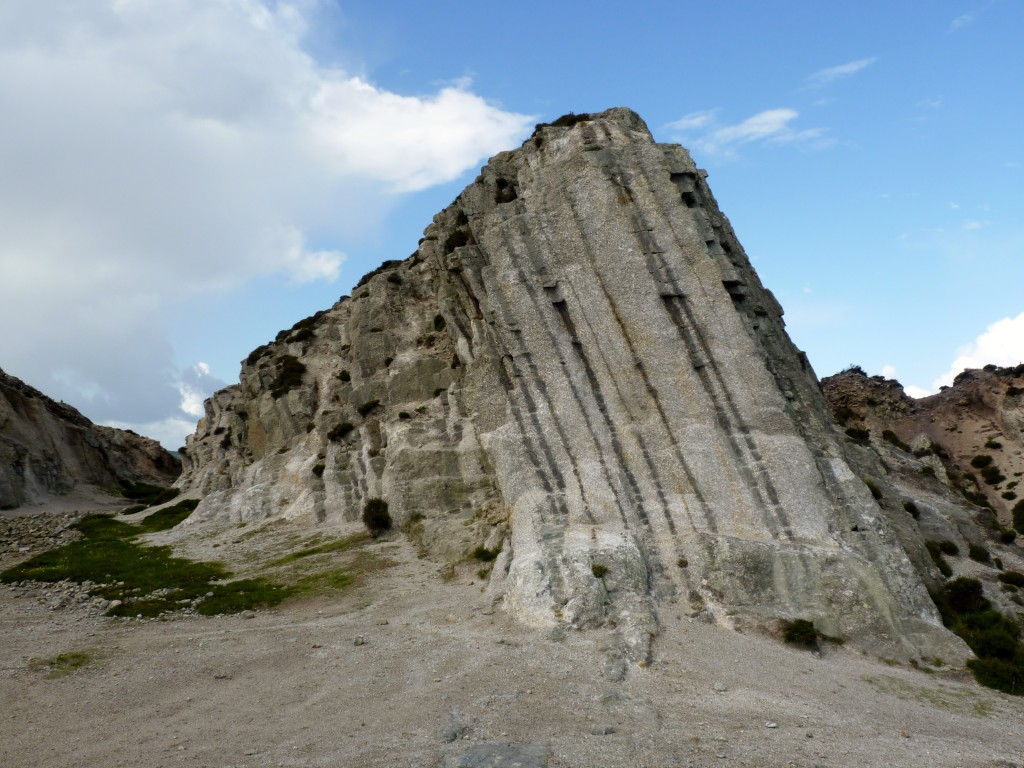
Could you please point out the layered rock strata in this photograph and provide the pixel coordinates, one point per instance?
(49, 449)
(577, 367)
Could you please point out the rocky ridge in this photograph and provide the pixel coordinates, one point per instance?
(579, 373)
(49, 449)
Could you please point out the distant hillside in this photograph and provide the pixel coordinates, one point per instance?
(48, 449)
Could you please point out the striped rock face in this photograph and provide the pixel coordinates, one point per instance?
(578, 367)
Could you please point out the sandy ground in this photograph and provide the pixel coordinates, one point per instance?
(390, 673)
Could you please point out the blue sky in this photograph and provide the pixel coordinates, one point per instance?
(183, 179)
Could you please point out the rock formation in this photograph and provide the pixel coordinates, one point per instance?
(578, 369)
(48, 449)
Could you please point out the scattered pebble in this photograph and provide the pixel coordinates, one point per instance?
(771, 724)
(360, 640)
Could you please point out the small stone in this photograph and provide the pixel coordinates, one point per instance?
(452, 732)
(382, 622)
(719, 688)
(248, 614)
(602, 730)
(771, 724)
(360, 640)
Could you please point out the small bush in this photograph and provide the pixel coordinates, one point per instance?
(376, 517)
(993, 445)
(599, 571)
(992, 475)
(440, 323)
(345, 376)
(891, 437)
(927, 471)
(485, 555)
(978, 553)
(947, 547)
(1007, 536)
(1016, 578)
(1018, 516)
(800, 632)
(1009, 495)
(289, 376)
(318, 470)
(936, 555)
(366, 408)
(340, 432)
(981, 460)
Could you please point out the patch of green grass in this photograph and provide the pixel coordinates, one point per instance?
(891, 437)
(599, 570)
(148, 580)
(62, 664)
(168, 517)
(340, 545)
(146, 495)
(858, 435)
(366, 408)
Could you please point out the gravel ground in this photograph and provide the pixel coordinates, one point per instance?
(409, 670)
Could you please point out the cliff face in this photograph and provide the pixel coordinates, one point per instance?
(579, 367)
(971, 432)
(48, 448)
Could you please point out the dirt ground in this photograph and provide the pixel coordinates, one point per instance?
(409, 670)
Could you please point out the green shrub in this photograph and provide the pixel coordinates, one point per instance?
(993, 445)
(345, 376)
(147, 495)
(376, 517)
(318, 470)
(981, 460)
(1007, 536)
(485, 555)
(1009, 495)
(978, 553)
(340, 432)
(289, 376)
(800, 632)
(992, 475)
(891, 437)
(168, 517)
(1006, 676)
(936, 555)
(927, 471)
(947, 547)
(1016, 578)
(440, 323)
(1018, 516)
(365, 409)
(599, 571)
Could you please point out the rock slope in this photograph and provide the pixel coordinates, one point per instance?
(579, 370)
(49, 449)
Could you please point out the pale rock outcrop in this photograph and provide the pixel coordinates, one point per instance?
(48, 449)
(580, 367)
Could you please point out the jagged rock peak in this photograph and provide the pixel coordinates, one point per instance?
(579, 370)
(48, 448)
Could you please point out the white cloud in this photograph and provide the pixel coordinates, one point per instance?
(917, 392)
(961, 21)
(829, 75)
(889, 371)
(152, 152)
(770, 126)
(1002, 343)
(693, 120)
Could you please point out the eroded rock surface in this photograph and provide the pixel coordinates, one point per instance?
(577, 367)
(48, 449)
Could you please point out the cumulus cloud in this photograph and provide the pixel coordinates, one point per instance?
(702, 131)
(155, 151)
(829, 75)
(1002, 343)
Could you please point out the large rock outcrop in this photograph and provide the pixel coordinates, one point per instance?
(48, 449)
(578, 366)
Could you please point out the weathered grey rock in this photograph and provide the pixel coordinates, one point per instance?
(579, 367)
(48, 448)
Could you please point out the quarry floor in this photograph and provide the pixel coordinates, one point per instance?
(409, 670)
